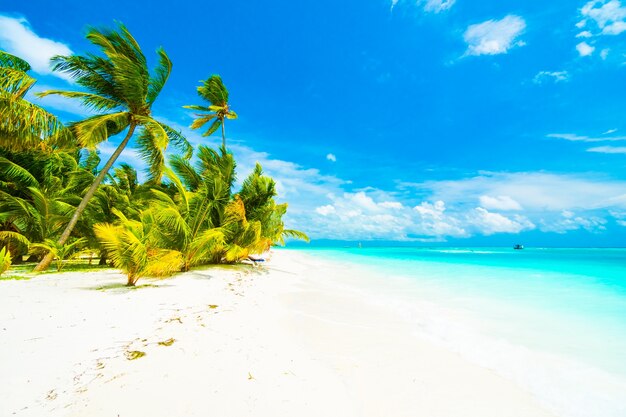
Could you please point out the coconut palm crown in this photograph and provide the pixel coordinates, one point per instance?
(120, 88)
(23, 125)
(214, 91)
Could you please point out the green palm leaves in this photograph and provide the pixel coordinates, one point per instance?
(214, 91)
(23, 125)
(185, 214)
(131, 247)
(5, 260)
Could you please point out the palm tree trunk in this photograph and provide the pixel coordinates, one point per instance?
(223, 135)
(47, 260)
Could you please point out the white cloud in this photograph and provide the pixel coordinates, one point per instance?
(584, 34)
(437, 6)
(391, 205)
(326, 206)
(604, 53)
(490, 223)
(578, 138)
(430, 6)
(570, 221)
(331, 157)
(18, 38)
(503, 202)
(610, 131)
(609, 16)
(434, 221)
(614, 29)
(608, 149)
(556, 76)
(494, 36)
(536, 192)
(325, 210)
(584, 49)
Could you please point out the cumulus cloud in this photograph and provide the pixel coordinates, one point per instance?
(536, 192)
(584, 49)
(326, 206)
(488, 203)
(494, 36)
(490, 223)
(331, 157)
(391, 205)
(18, 38)
(325, 210)
(503, 202)
(555, 76)
(568, 220)
(608, 16)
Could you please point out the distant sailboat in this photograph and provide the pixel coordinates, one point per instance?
(518, 247)
(360, 246)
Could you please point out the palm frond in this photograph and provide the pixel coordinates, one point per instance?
(202, 120)
(89, 100)
(8, 236)
(96, 129)
(214, 126)
(296, 234)
(214, 91)
(24, 125)
(12, 172)
(161, 74)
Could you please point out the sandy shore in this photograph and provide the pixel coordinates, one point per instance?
(298, 337)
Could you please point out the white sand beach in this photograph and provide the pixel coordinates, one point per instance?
(296, 337)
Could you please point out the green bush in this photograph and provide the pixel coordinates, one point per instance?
(5, 260)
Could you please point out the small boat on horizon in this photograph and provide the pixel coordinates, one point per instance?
(518, 247)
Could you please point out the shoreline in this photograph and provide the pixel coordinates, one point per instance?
(296, 337)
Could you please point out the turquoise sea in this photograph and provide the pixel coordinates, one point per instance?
(553, 320)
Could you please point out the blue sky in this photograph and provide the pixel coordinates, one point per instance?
(467, 122)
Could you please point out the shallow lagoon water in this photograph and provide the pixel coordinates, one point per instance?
(553, 320)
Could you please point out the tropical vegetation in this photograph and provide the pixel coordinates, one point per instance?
(58, 201)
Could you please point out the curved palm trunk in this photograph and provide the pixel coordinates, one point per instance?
(223, 135)
(47, 260)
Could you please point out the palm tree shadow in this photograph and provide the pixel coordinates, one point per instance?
(123, 288)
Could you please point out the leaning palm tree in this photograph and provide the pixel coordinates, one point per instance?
(23, 124)
(122, 90)
(214, 91)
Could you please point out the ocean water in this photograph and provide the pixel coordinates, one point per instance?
(551, 320)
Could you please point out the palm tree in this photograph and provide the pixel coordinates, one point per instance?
(214, 91)
(23, 125)
(120, 85)
(61, 253)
